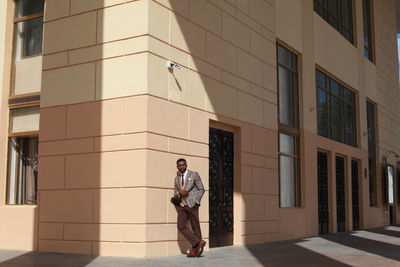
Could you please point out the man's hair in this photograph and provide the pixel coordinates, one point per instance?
(181, 159)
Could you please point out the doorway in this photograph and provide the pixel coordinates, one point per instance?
(340, 195)
(323, 196)
(221, 161)
(355, 195)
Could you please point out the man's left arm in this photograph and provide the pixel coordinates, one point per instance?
(199, 186)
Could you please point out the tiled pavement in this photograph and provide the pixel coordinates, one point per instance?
(372, 247)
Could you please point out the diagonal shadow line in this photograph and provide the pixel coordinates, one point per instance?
(383, 249)
(384, 232)
(288, 253)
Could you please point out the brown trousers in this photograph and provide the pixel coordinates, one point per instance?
(186, 214)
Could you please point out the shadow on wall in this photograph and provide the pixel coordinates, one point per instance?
(94, 188)
(226, 74)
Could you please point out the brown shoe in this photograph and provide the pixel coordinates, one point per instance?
(200, 248)
(192, 253)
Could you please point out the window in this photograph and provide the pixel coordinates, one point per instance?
(24, 100)
(367, 29)
(398, 182)
(373, 201)
(28, 21)
(338, 13)
(335, 110)
(289, 167)
(22, 171)
(289, 170)
(28, 32)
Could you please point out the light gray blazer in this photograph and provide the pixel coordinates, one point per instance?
(193, 185)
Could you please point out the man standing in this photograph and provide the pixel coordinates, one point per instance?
(189, 188)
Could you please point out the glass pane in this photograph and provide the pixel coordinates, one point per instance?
(295, 102)
(22, 170)
(287, 144)
(333, 22)
(24, 119)
(366, 53)
(370, 109)
(348, 95)
(295, 62)
(367, 29)
(28, 7)
(365, 17)
(337, 119)
(349, 125)
(318, 2)
(348, 35)
(285, 57)
(371, 128)
(390, 184)
(322, 110)
(29, 37)
(321, 79)
(366, 39)
(287, 173)
(318, 7)
(334, 87)
(372, 182)
(345, 13)
(333, 7)
(286, 97)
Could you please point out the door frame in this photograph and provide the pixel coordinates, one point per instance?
(360, 191)
(346, 191)
(237, 198)
(329, 184)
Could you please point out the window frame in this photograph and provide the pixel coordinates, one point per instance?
(371, 43)
(17, 20)
(297, 171)
(289, 130)
(8, 189)
(17, 101)
(21, 20)
(17, 134)
(342, 86)
(12, 94)
(327, 13)
(295, 73)
(372, 155)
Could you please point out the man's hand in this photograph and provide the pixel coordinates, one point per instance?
(183, 193)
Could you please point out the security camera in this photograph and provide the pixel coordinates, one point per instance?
(171, 65)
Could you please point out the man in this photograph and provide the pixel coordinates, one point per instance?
(189, 187)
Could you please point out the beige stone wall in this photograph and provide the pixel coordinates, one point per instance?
(18, 226)
(114, 119)
(94, 142)
(227, 51)
(387, 83)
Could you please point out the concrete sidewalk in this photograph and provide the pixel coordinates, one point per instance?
(372, 247)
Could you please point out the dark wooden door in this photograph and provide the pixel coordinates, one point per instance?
(355, 195)
(221, 187)
(340, 195)
(323, 203)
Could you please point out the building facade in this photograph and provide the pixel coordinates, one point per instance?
(288, 109)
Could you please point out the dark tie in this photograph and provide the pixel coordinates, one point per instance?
(182, 180)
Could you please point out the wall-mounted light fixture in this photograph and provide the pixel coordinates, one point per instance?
(171, 65)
